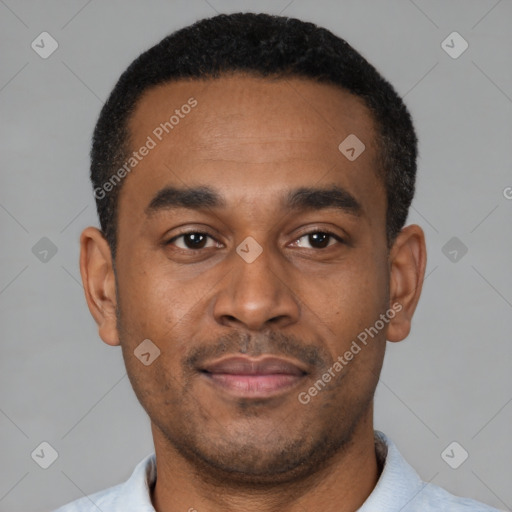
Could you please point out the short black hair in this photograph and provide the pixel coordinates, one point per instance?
(267, 46)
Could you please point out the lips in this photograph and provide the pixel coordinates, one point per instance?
(247, 366)
(256, 378)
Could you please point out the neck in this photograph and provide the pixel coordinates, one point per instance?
(342, 485)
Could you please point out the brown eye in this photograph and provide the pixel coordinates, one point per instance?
(193, 240)
(319, 239)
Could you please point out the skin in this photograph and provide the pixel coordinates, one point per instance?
(253, 139)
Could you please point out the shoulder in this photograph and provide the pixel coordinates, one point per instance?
(433, 497)
(401, 488)
(132, 495)
(102, 500)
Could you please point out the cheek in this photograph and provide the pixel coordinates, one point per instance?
(352, 302)
(154, 306)
(151, 308)
(148, 297)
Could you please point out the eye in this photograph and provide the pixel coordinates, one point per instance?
(319, 239)
(193, 240)
(197, 240)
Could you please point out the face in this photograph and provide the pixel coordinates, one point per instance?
(280, 252)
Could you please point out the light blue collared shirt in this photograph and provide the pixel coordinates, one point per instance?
(399, 489)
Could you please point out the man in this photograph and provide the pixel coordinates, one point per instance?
(253, 175)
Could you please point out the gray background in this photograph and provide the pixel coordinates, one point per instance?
(450, 381)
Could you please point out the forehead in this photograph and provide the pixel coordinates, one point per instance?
(242, 134)
(238, 105)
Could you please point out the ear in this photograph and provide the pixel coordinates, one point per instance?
(99, 283)
(407, 260)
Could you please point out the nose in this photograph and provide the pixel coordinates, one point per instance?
(256, 295)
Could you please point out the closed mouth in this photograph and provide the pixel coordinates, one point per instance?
(254, 378)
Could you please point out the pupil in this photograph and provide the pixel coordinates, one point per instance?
(316, 236)
(197, 239)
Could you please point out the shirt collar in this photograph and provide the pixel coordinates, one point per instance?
(398, 483)
(135, 493)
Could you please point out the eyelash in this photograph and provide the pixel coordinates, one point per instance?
(324, 232)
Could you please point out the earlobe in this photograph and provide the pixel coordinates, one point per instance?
(407, 261)
(98, 278)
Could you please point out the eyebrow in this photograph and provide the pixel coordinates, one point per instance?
(312, 198)
(299, 199)
(194, 198)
